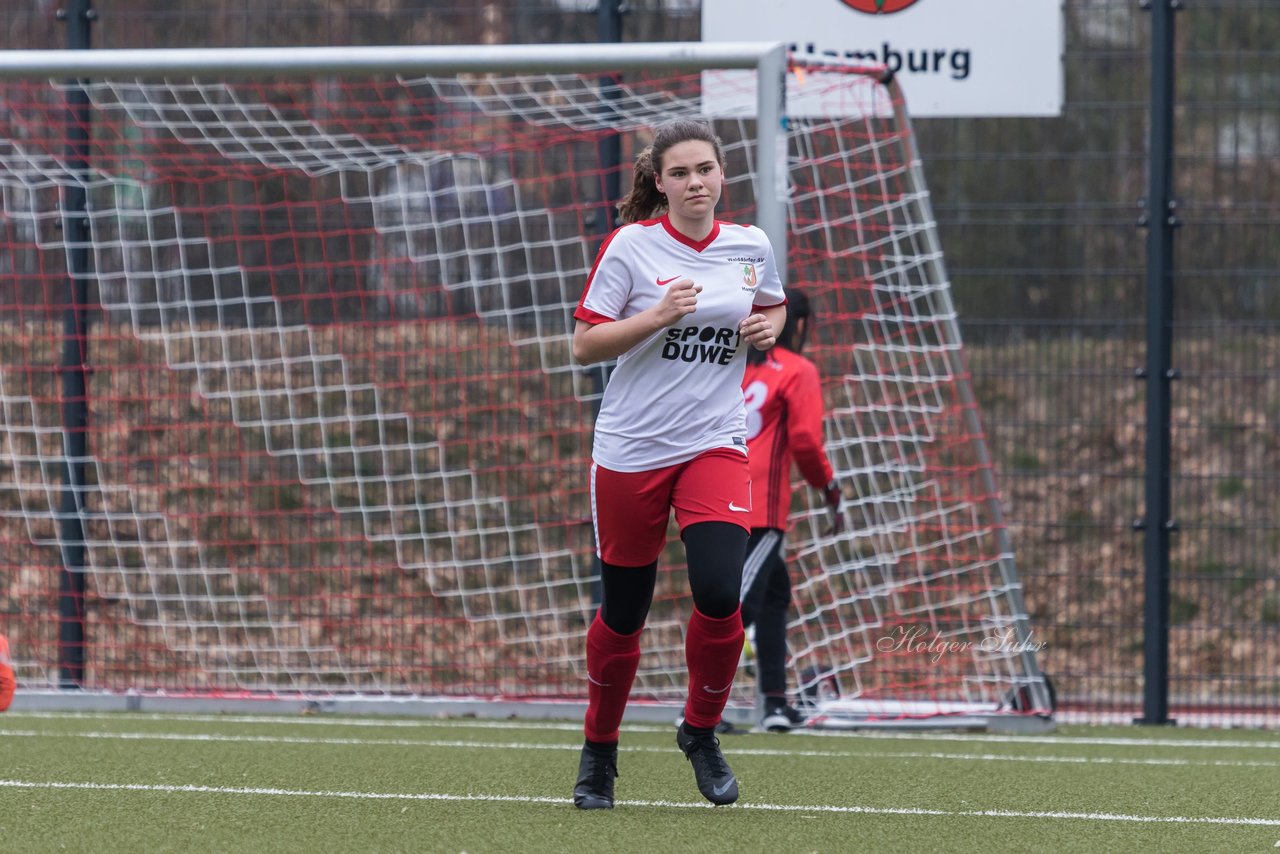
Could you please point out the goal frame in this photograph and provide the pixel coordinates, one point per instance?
(769, 62)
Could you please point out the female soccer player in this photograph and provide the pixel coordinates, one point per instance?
(677, 297)
(784, 423)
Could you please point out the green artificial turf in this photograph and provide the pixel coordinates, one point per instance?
(140, 782)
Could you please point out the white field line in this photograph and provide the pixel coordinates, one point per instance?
(1272, 743)
(509, 745)
(523, 799)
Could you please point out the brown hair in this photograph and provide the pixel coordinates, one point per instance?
(644, 201)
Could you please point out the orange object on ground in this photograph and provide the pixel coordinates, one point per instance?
(7, 681)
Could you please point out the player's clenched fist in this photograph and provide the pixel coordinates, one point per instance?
(680, 299)
(757, 331)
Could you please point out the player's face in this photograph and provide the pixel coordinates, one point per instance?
(692, 179)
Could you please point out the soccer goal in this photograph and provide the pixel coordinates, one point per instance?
(289, 411)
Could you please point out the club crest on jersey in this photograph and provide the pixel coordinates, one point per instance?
(749, 277)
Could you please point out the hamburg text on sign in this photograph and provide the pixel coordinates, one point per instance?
(951, 57)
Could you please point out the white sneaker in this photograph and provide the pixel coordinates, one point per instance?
(782, 719)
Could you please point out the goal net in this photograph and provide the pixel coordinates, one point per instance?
(335, 444)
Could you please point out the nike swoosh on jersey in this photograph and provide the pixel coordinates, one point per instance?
(664, 282)
(735, 508)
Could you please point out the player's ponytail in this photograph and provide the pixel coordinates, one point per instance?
(644, 201)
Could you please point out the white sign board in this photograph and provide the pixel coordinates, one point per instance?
(951, 57)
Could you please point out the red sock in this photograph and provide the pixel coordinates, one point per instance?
(711, 649)
(612, 660)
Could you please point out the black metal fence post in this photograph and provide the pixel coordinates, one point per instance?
(609, 31)
(78, 16)
(609, 154)
(1161, 218)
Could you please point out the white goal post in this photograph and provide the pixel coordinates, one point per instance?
(331, 446)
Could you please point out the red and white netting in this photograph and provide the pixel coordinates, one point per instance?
(336, 440)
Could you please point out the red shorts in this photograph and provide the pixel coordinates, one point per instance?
(631, 509)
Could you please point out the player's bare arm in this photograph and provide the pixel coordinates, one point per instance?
(596, 342)
(760, 329)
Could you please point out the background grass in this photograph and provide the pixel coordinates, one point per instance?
(139, 782)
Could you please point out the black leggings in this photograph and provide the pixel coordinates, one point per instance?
(714, 552)
(765, 604)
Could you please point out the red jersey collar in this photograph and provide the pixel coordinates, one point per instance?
(695, 245)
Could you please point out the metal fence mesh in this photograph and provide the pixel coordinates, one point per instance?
(1040, 222)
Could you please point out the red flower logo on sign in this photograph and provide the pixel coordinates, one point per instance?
(879, 7)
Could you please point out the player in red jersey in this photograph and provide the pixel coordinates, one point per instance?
(678, 298)
(784, 424)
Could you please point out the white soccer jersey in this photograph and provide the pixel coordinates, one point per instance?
(679, 392)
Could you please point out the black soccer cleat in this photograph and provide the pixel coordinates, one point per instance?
(596, 773)
(715, 778)
(783, 718)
